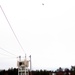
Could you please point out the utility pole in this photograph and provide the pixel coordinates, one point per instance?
(23, 66)
(30, 64)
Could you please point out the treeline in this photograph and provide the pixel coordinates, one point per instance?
(59, 71)
(9, 72)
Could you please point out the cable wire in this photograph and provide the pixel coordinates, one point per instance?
(7, 51)
(5, 55)
(12, 29)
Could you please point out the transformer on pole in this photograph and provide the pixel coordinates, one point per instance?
(23, 66)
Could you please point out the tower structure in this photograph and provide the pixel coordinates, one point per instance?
(23, 66)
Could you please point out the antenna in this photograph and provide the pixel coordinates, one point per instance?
(19, 58)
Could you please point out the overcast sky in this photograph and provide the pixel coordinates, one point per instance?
(47, 32)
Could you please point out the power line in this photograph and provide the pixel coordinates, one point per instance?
(12, 29)
(7, 51)
(5, 55)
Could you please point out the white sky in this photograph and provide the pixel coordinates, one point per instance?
(47, 32)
